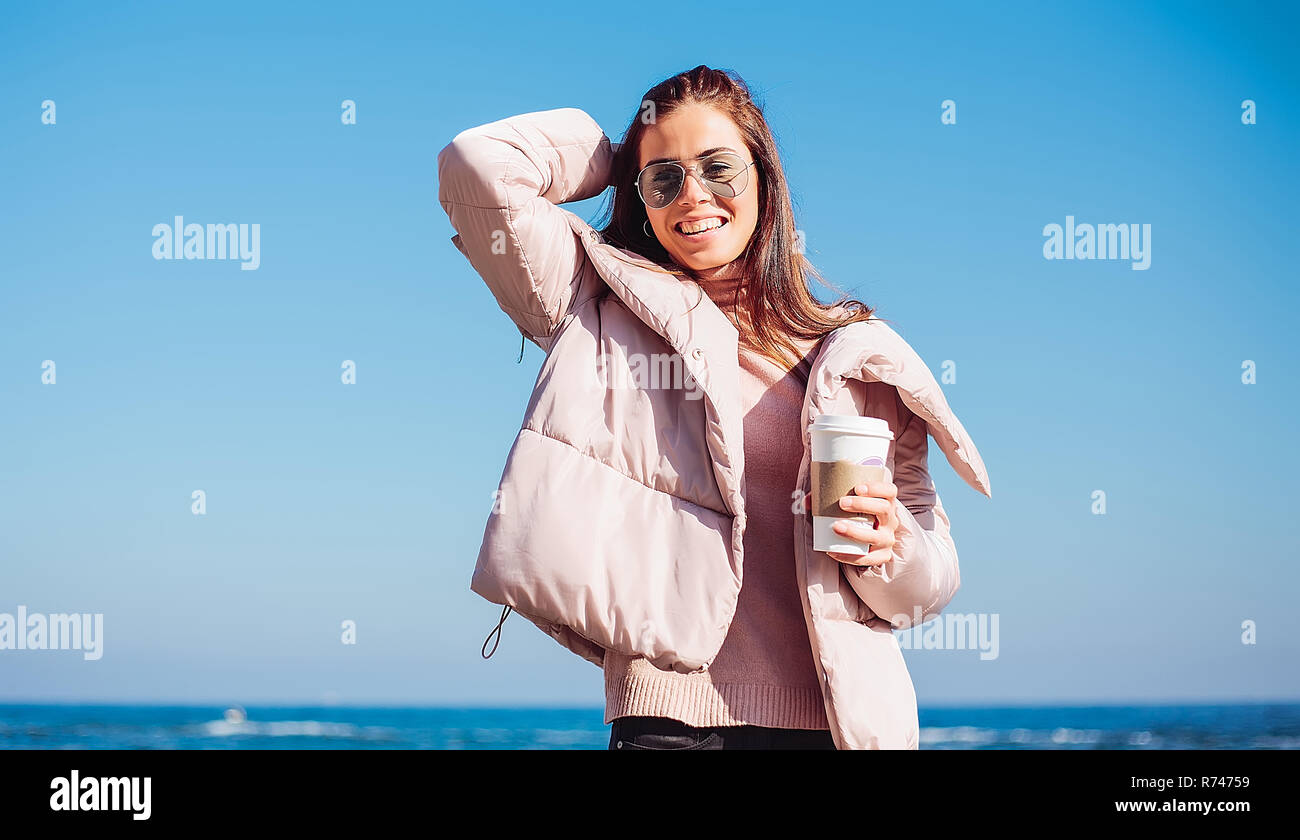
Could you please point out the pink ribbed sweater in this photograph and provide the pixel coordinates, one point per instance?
(764, 673)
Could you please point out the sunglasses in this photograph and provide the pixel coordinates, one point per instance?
(724, 173)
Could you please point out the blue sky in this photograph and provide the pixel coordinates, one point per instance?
(328, 502)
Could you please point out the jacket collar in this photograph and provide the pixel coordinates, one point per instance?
(678, 310)
(696, 329)
(873, 352)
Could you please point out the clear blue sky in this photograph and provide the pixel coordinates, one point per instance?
(328, 502)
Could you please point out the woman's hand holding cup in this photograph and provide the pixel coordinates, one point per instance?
(877, 499)
(853, 492)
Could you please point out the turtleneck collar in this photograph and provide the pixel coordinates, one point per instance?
(728, 296)
(722, 292)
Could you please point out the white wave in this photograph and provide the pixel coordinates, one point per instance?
(958, 735)
(294, 729)
(1065, 735)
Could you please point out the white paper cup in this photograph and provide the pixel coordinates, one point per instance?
(847, 450)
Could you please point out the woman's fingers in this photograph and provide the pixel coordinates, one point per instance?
(877, 500)
(860, 531)
(881, 541)
(865, 504)
(879, 557)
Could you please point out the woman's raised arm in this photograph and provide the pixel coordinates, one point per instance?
(500, 183)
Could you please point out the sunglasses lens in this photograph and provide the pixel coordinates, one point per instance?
(725, 174)
(659, 184)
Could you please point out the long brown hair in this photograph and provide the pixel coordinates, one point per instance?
(774, 272)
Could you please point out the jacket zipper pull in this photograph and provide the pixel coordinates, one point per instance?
(497, 630)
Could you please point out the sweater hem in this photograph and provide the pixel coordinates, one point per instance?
(695, 700)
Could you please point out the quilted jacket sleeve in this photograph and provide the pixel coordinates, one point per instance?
(923, 575)
(500, 183)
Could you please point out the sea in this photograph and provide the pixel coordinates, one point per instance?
(1168, 727)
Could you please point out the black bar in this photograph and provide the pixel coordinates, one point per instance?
(251, 788)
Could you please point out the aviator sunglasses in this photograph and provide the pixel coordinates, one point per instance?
(724, 173)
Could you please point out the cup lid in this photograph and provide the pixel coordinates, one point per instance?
(852, 424)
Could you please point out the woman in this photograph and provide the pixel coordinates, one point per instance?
(664, 454)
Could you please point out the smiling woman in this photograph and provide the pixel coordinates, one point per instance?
(711, 204)
(693, 581)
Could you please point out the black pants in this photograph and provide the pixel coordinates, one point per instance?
(661, 733)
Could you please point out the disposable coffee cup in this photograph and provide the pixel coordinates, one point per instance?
(847, 450)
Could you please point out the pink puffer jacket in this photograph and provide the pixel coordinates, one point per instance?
(621, 510)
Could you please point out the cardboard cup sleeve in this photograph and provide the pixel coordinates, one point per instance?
(832, 480)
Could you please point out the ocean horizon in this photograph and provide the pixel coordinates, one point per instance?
(1263, 725)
